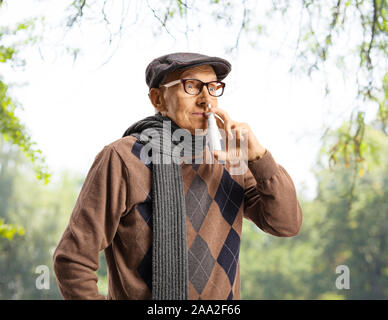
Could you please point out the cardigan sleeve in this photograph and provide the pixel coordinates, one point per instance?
(270, 199)
(92, 226)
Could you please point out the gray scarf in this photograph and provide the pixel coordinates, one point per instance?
(169, 251)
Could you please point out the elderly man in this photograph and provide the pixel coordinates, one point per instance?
(172, 229)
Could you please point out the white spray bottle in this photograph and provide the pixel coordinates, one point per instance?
(214, 135)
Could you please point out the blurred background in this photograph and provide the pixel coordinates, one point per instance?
(309, 77)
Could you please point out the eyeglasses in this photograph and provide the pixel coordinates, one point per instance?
(195, 86)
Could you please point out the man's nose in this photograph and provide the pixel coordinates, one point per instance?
(204, 97)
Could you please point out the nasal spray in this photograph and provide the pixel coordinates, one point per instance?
(214, 135)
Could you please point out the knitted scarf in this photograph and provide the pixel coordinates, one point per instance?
(169, 246)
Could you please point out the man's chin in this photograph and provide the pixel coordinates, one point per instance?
(200, 131)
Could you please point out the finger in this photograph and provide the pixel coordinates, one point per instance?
(223, 132)
(245, 133)
(220, 155)
(225, 117)
(231, 156)
(219, 121)
(236, 131)
(241, 135)
(241, 132)
(220, 124)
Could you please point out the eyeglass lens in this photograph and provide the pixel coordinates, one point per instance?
(194, 87)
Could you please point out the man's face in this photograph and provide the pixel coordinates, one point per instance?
(186, 110)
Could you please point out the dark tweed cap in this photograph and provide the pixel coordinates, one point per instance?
(160, 67)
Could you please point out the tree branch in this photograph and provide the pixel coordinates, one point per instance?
(162, 22)
(242, 25)
(374, 22)
(79, 13)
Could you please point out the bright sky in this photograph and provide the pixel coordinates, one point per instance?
(73, 110)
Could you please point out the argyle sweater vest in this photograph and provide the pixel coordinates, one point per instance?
(113, 212)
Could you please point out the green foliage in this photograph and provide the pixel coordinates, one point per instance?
(350, 142)
(15, 132)
(323, 29)
(382, 114)
(8, 230)
(335, 231)
(43, 210)
(6, 53)
(345, 224)
(11, 127)
(338, 229)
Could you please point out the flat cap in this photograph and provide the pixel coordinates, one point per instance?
(160, 67)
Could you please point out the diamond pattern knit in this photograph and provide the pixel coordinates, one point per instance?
(114, 213)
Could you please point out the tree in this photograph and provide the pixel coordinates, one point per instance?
(345, 223)
(336, 231)
(323, 27)
(349, 36)
(11, 127)
(43, 210)
(353, 225)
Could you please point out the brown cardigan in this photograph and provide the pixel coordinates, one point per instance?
(113, 213)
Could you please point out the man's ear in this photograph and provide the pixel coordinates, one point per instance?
(157, 99)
